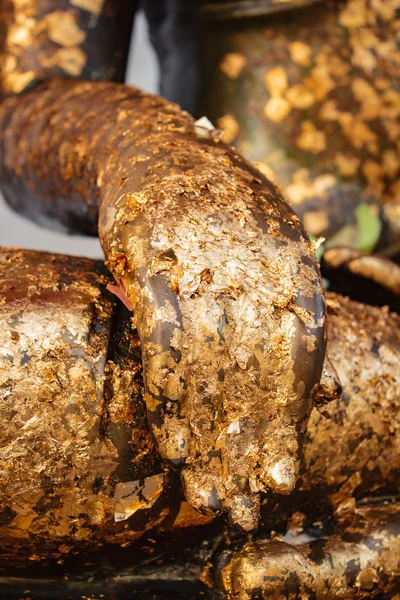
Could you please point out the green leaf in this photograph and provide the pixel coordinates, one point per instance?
(368, 226)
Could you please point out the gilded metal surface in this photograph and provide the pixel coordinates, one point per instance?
(70, 38)
(225, 286)
(73, 427)
(313, 96)
(360, 559)
(79, 468)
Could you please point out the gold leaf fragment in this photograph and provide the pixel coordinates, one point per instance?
(132, 496)
(315, 222)
(310, 139)
(300, 97)
(93, 6)
(319, 83)
(266, 170)
(232, 64)
(347, 164)
(354, 14)
(277, 108)
(63, 29)
(300, 53)
(229, 126)
(391, 163)
(276, 81)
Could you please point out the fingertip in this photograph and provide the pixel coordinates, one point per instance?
(280, 476)
(172, 445)
(201, 492)
(243, 512)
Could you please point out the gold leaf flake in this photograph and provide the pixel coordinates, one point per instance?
(71, 60)
(300, 97)
(16, 82)
(232, 64)
(276, 81)
(315, 222)
(329, 111)
(152, 403)
(354, 14)
(132, 496)
(373, 172)
(301, 188)
(366, 95)
(390, 163)
(338, 67)
(93, 6)
(356, 130)
(63, 29)
(21, 34)
(300, 53)
(347, 164)
(189, 517)
(277, 108)
(319, 83)
(266, 170)
(385, 9)
(324, 182)
(230, 128)
(362, 57)
(310, 139)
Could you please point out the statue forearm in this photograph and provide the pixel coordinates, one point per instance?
(190, 230)
(76, 456)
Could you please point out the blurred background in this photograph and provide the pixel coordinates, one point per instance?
(17, 231)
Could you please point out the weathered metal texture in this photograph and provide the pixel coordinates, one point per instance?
(360, 560)
(80, 470)
(78, 466)
(71, 38)
(225, 286)
(313, 96)
(352, 450)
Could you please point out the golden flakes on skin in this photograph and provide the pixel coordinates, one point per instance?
(363, 344)
(321, 568)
